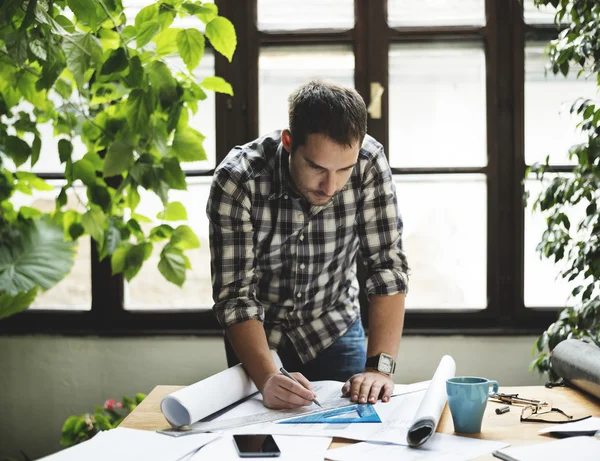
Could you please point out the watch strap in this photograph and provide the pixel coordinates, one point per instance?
(373, 362)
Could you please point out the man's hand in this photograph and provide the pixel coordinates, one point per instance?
(369, 386)
(281, 392)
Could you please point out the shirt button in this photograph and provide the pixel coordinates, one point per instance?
(300, 216)
(285, 196)
(301, 237)
(299, 295)
(302, 266)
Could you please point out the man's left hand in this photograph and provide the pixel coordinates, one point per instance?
(369, 386)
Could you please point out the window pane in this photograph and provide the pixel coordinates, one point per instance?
(446, 244)
(543, 285)
(74, 292)
(437, 105)
(542, 15)
(436, 12)
(149, 289)
(283, 69)
(549, 127)
(309, 14)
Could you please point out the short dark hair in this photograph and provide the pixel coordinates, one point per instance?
(327, 108)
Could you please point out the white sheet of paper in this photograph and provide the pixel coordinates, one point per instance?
(292, 449)
(575, 448)
(445, 447)
(128, 444)
(590, 424)
(400, 389)
(396, 416)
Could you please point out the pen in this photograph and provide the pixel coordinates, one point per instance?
(285, 373)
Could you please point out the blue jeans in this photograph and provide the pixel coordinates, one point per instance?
(342, 359)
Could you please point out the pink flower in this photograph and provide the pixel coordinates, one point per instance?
(110, 404)
(119, 405)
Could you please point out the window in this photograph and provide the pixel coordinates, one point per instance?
(466, 107)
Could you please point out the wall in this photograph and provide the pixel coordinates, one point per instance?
(45, 379)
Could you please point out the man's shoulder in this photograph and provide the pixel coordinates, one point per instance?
(370, 148)
(256, 158)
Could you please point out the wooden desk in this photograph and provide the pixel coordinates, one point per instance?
(505, 427)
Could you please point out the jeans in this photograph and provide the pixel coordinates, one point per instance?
(342, 359)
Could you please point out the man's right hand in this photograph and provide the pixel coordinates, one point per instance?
(281, 392)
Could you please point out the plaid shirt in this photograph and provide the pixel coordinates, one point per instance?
(292, 265)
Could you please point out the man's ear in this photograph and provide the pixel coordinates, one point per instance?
(286, 140)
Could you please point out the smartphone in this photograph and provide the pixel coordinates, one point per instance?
(256, 446)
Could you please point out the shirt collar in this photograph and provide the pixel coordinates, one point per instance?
(281, 173)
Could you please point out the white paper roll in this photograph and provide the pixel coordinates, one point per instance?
(197, 401)
(429, 412)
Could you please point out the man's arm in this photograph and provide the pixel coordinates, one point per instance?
(249, 342)
(386, 319)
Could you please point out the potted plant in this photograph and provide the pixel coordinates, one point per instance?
(576, 243)
(98, 79)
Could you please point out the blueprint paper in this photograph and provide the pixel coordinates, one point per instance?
(439, 447)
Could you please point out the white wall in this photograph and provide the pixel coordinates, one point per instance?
(45, 379)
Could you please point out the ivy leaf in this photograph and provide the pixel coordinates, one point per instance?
(187, 145)
(174, 211)
(146, 32)
(135, 77)
(117, 260)
(217, 84)
(146, 14)
(166, 41)
(11, 305)
(32, 180)
(135, 258)
(174, 175)
(119, 157)
(36, 147)
(172, 265)
(190, 43)
(84, 170)
(184, 238)
(65, 149)
(139, 108)
(17, 149)
(221, 34)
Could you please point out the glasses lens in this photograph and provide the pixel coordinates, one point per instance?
(553, 416)
(527, 411)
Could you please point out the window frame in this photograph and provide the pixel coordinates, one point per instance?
(503, 35)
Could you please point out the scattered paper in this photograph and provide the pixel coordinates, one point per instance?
(575, 448)
(586, 427)
(439, 447)
(128, 444)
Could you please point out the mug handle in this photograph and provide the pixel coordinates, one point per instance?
(494, 387)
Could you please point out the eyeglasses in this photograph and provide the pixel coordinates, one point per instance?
(544, 412)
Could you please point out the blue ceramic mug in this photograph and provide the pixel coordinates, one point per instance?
(467, 399)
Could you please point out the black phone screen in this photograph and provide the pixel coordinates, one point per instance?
(256, 445)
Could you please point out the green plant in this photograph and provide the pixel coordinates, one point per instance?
(79, 67)
(77, 429)
(577, 244)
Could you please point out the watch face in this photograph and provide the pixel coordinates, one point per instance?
(385, 364)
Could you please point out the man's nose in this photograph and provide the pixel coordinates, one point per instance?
(329, 184)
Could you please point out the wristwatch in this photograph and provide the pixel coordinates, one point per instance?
(384, 363)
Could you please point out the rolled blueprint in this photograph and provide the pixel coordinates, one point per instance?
(432, 405)
(195, 402)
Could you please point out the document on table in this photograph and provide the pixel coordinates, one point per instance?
(292, 449)
(123, 443)
(586, 427)
(440, 446)
(575, 448)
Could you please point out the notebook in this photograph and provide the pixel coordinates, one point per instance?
(573, 448)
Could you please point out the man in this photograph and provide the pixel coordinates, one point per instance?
(288, 214)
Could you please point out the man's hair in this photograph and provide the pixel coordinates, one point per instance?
(327, 108)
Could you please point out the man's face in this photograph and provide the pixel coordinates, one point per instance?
(320, 167)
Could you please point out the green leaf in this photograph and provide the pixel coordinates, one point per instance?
(190, 43)
(112, 238)
(221, 34)
(174, 211)
(174, 175)
(84, 13)
(28, 212)
(116, 62)
(119, 157)
(146, 14)
(166, 41)
(65, 150)
(139, 108)
(17, 149)
(172, 265)
(146, 32)
(158, 233)
(135, 258)
(187, 145)
(84, 170)
(34, 181)
(35, 255)
(36, 147)
(133, 198)
(184, 238)
(82, 51)
(135, 77)
(11, 305)
(217, 84)
(94, 222)
(117, 260)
